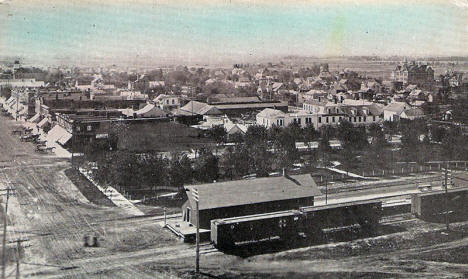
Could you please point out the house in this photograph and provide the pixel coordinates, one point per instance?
(412, 114)
(21, 83)
(393, 111)
(234, 128)
(156, 83)
(167, 102)
(198, 108)
(247, 197)
(271, 117)
(148, 111)
(327, 112)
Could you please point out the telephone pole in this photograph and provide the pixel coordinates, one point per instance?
(5, 220)
(446, 197)
(326, 189)
(197, 256)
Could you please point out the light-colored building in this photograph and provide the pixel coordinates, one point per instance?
(393, 111)
(167, 102)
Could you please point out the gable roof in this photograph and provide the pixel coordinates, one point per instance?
(200, 108)
(268, 112)
(414, 112)
(397, 107)
(258, 190)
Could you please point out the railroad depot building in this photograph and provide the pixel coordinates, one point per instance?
(247, 197)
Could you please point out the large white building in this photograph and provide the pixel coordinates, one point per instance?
(324, 113)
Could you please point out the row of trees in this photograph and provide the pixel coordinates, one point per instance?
(133, 172)
(260, 151)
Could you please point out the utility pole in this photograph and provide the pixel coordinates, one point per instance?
(5, 220)
(17, 100)
(326, 189)
(446, 197)
(18, 247)
(197, 239)
(18, 255)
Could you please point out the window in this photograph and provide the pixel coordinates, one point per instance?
(320, 119)
(355, 119)
(350, 119)
(373, 118)
(327, 120)
(299, 121)
(173, 101)
(359, 119)
(89, 128)
(333, 119)
(167, 102)
(365, 118)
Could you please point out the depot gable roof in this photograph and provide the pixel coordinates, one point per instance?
(258, 190)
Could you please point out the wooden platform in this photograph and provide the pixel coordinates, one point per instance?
(186, 231)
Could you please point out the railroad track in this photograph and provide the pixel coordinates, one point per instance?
(352, 188)
(396, 219)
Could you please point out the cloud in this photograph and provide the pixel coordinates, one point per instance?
(460, 3)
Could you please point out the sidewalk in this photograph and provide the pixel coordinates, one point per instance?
(113, 195)
(348, 173)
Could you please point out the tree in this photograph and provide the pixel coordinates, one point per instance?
(453, 144)
(257, 144)
(309, 135)
(348, 156)
(286, 151)
(390, 127)
(206, 166)
(180, 170)
(5, 92)
(234, 161)
(424, 150)
(217, 133)
(378, 153)
(324, 147)
(409, 143)
(350, 136)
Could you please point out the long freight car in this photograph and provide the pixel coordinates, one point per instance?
(365, 213)
(430, 206)
(225, 233)
(287, 225)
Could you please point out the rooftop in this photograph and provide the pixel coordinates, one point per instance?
(258, 190)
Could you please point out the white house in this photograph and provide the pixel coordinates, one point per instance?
(167, 102)
(393, 111)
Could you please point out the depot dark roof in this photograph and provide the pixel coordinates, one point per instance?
(258, 190)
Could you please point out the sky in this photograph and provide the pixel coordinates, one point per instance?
(194, 31)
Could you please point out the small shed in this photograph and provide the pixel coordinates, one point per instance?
(247, 197)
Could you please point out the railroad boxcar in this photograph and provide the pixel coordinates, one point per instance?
(431, 205)
(226, 233)
(367, 214)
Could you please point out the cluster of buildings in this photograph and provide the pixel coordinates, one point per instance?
(83, 103)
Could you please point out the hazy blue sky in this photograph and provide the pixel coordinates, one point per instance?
(213, 30)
